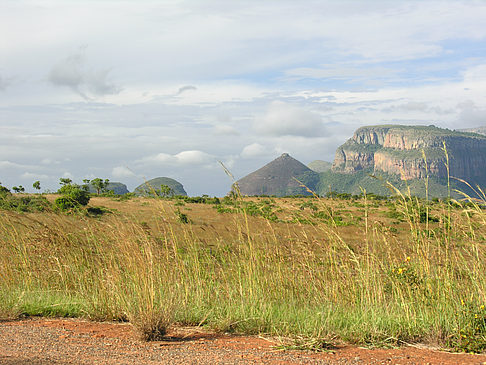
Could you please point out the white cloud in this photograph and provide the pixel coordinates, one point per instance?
(282, 119)
(49, 161)
(225, 130)
(253, 150)
(34, 176)
(182, 158)
(122, 172)
(471, 115)
(68, 175)
(194, 158)
(7, 164)
(339, 72)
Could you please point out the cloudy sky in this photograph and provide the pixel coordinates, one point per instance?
(131, 90)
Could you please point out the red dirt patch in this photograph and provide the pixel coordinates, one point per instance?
(72, 341)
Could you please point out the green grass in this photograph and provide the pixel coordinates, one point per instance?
(324, 282)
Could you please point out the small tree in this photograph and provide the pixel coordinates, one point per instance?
(85, 185)
(3, 191)
(166, 191)
(100, 185)
(18, 189)
(36, 185)
(65, 181)
(72, 197)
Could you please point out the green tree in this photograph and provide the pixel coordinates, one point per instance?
(3, 191)
(18, 189)
(100, 185)
(85, 185)
(36, 185)
(65, 181)
(166, 191)
(72, 197)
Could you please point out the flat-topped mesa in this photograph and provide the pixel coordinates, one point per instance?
(400, 150)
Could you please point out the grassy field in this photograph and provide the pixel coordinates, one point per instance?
(316, 271)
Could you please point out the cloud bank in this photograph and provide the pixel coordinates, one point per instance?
(282, 119)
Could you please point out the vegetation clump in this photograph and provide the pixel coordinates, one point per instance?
(73, 196)
(25, 203)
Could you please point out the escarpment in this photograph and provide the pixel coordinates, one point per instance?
(412, 152)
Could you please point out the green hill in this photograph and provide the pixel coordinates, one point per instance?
(319, 166)
(379, 183)
(151, 186)
(117, 187)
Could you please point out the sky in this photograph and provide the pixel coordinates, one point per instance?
(132, 90)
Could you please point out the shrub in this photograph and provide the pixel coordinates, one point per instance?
(24, 203)
(182, 217)
(4, 191)
(471, 334)
(72, 197)
(65, 203)
(97, 211)
(125, 197)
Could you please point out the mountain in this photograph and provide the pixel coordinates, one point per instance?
(152, 186)
(319, 166)
(117, 187)
(279, 178)
(397, 152)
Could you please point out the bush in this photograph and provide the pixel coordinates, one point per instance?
(182, 217)
(97, 211)
(72, 197)
(65, 203)
(125, 197)
(471, 334)
(4, 191)
(24, 203)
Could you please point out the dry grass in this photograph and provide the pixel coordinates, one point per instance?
(363, 271)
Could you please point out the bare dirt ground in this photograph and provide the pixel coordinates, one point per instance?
(41, 341)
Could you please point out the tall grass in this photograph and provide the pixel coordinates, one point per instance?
(267, 277)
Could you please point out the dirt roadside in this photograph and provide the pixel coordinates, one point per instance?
(41, 341)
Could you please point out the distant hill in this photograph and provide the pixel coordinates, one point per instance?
(150, 186)
(377, 155)
(319, 166)
(395, 153)
(117, 187)
(279, 178)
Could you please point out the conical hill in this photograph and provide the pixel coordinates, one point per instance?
(283, 176)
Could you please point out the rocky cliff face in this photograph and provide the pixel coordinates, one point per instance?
(400, 150)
